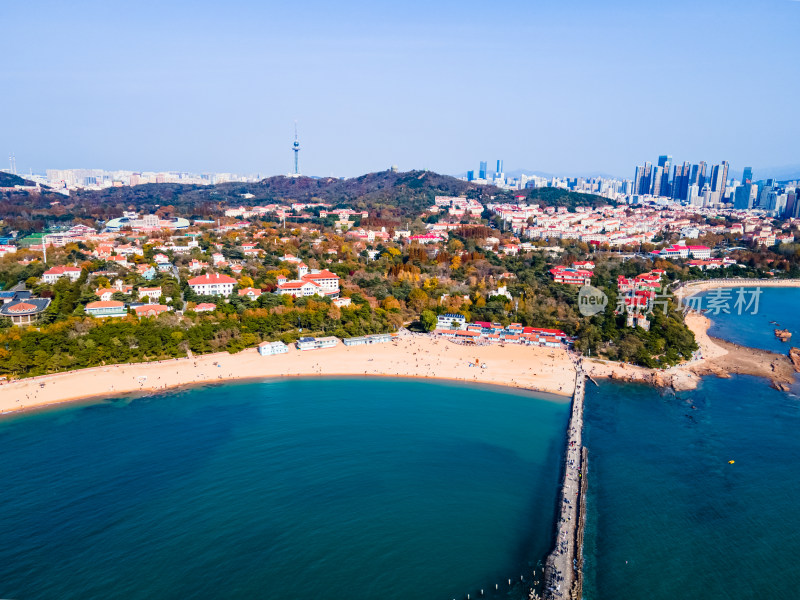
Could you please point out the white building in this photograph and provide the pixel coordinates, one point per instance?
(322, 283)
(54, 274)
(298, 289)
(375, 338)
(271, 348)
(152, 293)
(446, 321)
(212, 285)
(310, 343)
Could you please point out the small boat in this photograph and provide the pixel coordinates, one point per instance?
(730, 462)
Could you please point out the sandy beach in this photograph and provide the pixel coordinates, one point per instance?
(421, 356)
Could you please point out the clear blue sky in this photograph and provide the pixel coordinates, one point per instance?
(564, 86)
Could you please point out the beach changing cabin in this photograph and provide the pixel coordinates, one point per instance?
(377, 338)
(270, 348)
(310, 343)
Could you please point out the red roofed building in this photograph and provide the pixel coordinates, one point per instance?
(24, 312)
(106, 308)
(212, 285)
(571, 276)
(426, 238)
(322, 283)
(298, 289)
(556, 333)
(150, 310)
(684, 251)
(205, 307)
(54, 274)
(252, 293)
(328, 281)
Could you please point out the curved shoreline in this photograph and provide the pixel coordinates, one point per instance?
(717, 357)
(531, 368)
(546, 370)
(691, 288)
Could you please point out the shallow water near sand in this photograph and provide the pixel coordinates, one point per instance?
(313, 488)
(777, 309)
(668, 516)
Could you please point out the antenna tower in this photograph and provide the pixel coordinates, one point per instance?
(296, 149)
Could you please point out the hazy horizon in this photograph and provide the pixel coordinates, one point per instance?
(578, 89)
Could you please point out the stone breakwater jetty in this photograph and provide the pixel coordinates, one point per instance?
(563, 572)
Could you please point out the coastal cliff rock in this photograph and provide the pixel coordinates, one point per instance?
(684, 380)
(711, 368)
(783, 335)
(794, 356)
(679, 381)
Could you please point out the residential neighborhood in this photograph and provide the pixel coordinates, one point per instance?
(469, 269)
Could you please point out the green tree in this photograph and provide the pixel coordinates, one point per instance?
(428, 320)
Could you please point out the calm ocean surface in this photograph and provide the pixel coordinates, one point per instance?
(298, 488)
(668, 516)
(396, 489)
(775, 305)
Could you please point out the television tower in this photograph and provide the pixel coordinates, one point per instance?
(296, 149)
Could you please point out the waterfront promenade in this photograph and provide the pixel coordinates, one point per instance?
(562, 573)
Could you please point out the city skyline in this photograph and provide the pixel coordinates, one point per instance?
(555, 90)
(786, 173)
(648, 179)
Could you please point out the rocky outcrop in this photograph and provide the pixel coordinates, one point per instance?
(684, 380)
(794, 356)
(679, 381)
(783, 335)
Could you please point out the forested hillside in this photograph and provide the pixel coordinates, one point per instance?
(388, 195)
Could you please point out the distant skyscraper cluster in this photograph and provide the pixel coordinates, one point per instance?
(688, 182)
(699, 185)
(497, 178)
(483, 173)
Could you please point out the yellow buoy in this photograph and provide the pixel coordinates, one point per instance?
(730, 462)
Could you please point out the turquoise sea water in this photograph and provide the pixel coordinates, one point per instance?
(668, 517)
(777, 309)
(376, 488)
(297, 488)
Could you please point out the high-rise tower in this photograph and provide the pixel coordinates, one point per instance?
(296, 149)
(719, 178)
(680, 181)
(665, 161)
